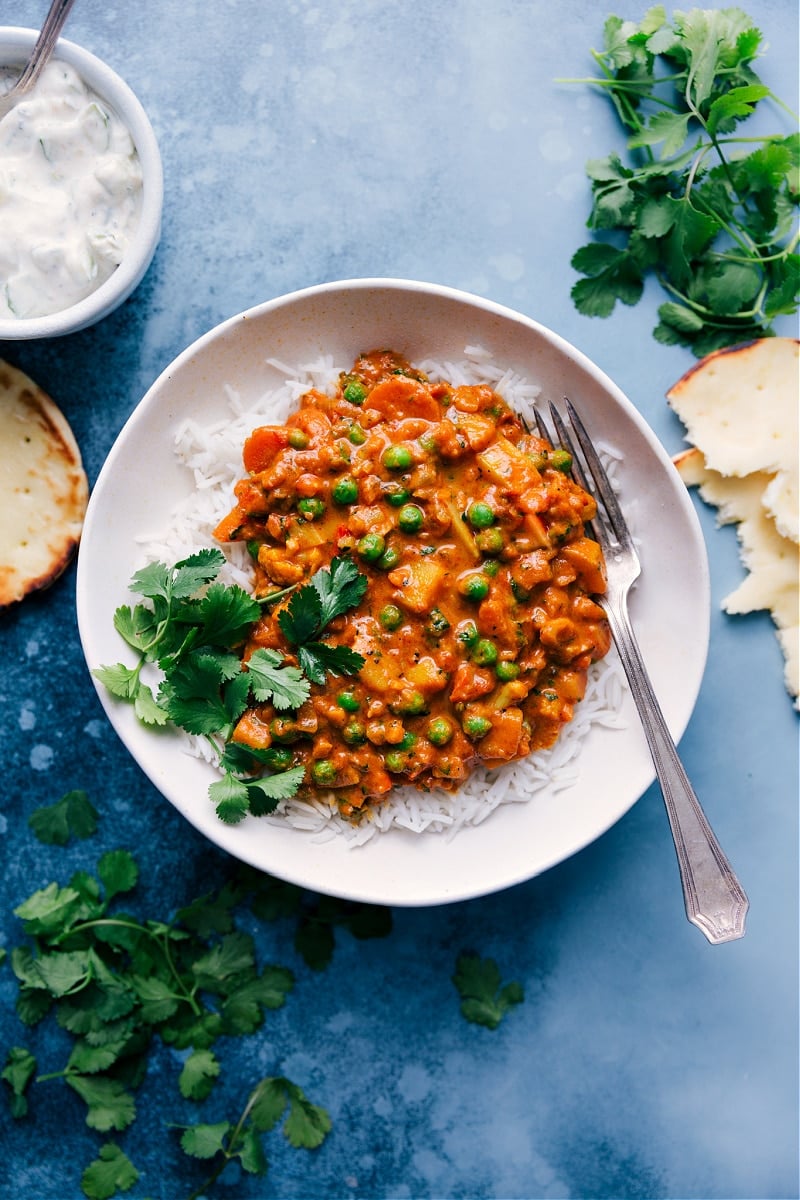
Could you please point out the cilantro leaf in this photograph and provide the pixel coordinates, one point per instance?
(49, 910)
(226, 614)
(272, 788)
(204, 1141)
(285, 686)
(111, 1172)
(613, 275)
(250, 1153)
(120, 680)
(157, 1000)
(231, 797)
(198, 1075)
(19, 1070)
(109, 1105)
(60, 973)
(483, 1000)
(340, 587)
(320, 658)
(118, 872)
(307, 1125)
(301, 619)
(71, 816)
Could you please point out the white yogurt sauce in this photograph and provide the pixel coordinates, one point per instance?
(70, 194)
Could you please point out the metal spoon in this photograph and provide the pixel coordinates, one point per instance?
(45, 44)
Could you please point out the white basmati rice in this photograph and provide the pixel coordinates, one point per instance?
(212, 456)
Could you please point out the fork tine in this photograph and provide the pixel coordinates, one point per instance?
(542, 426)
(601, 481)
(567, 442)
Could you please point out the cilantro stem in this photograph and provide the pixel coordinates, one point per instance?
(163, 946)
(228, 1151)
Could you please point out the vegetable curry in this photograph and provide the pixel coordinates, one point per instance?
(477, 625)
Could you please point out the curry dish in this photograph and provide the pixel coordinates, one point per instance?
(477, 626)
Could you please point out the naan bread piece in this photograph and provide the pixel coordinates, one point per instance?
(740, 408)
(43, 488)
(772, 560)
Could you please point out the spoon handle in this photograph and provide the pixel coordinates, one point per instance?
(45, 43)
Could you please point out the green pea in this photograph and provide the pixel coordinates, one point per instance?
(484, 653)
(539, 459)
(396, 458)
(345, 490)
(560, 460)
(410, 518)
(348, 701)
(476, 727)
(412, 706)
(439, 731)
(480, 515)
(409, 741)
(311, 507)
(474, 588)
(396, 495)
(370, 547)
(467, 632)
(278, 758)
(390, 616)
(284, 729)
(356, 435)
(428, 442)
(323, 772)
(298, 439)
(355, 393)
(354, 733)
(395, 761)
(490, 541)
(389, 559)
(490, 568)
(506, 671)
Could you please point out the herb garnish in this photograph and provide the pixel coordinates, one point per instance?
(191, 626)
(713, 216)
(115, 982)
(484, 999)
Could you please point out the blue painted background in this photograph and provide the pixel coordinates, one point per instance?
(307, 142)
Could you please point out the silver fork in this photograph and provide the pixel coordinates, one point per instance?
(714, 898)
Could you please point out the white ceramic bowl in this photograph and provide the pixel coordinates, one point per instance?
(142, 481)
(15, 47)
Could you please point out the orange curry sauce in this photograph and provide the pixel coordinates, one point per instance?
(478, 624)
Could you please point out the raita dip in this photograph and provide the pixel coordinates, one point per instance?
(70, 194)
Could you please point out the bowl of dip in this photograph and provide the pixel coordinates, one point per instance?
(81, 192)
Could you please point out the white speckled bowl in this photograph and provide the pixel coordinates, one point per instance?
(15, 47)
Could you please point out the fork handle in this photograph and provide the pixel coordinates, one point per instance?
(714, 898)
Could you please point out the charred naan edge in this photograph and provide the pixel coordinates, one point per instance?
(43, 488)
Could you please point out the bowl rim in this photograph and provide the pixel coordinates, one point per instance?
(16, 41)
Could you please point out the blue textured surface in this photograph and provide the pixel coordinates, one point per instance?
(309, 142)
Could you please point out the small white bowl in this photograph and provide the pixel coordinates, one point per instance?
(15, 47)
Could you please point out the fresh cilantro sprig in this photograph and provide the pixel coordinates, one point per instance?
(115, 983)
(710, 212)
(327, 595)
(190, 627)
(485, 1000)
(305, 1126)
